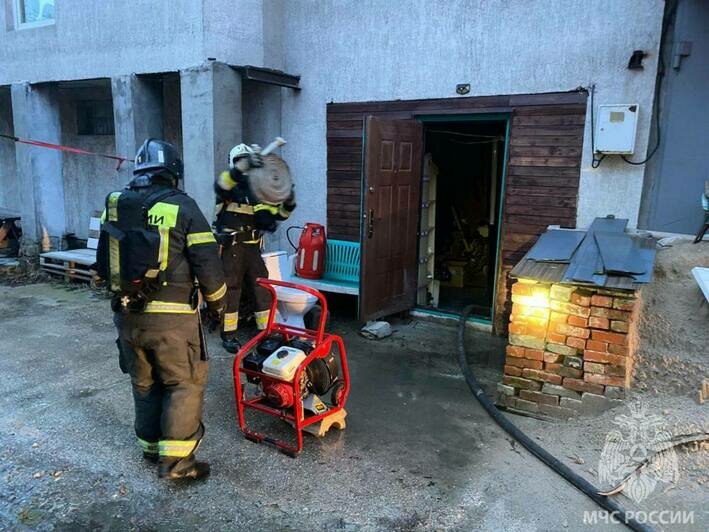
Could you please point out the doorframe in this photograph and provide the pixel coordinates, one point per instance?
(533, 116)
(505, 117)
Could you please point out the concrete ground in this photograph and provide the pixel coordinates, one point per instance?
(418, 451)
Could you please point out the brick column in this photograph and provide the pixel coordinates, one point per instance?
(570, 348)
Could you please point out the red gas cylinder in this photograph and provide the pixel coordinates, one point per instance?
(310, 262)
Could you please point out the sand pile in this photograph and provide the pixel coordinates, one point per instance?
(674, 326)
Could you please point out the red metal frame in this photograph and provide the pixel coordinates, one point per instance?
(323, 347)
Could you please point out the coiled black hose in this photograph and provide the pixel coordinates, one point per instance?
(582, 484)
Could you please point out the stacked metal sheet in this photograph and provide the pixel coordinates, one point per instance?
(603, 255)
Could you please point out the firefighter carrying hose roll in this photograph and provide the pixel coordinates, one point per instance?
(241, 221)
(154, 244)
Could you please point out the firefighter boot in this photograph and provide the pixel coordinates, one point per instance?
(183, 468)
(232, 345)
(150, 457)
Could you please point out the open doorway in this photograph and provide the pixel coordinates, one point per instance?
(461, 191)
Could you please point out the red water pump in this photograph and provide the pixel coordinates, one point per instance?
(295, 374)
(310, 259)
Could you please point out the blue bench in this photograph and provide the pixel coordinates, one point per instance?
(341, 273)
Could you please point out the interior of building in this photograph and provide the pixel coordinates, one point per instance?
(459, 220)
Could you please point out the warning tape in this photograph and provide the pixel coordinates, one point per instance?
(69, 149)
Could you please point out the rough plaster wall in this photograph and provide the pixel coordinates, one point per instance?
(137, 115)
(211, 123)
(87, 180)
(405, 49)
(36, 115)
(262, 123)
(233, 31)
(101, 39)
(272, 20)
(9, 188)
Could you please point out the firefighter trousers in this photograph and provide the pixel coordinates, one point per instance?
(243, 264)
(163, 356)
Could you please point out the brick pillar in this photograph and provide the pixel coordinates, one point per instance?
(570, 348)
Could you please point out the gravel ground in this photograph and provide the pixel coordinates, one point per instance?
(418, 452)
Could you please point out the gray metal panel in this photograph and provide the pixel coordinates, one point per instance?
(611, 225)
(556, 245)
(620, 253)
(586, 262)
(621, 283)
(675, 176)
(548, 272)
(586, 265)
(646, 248)
(270, 76)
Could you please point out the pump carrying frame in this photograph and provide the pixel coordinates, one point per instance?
(323, 345)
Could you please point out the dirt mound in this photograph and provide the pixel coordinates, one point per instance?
(674, 324)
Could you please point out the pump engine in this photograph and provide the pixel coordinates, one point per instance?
(277, 362)
(296, 374)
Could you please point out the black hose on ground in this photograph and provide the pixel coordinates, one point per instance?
(579, 482)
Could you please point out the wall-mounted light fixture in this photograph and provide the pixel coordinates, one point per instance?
(462, 88)
(636, 60)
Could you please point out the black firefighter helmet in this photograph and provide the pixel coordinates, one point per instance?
(156, 157)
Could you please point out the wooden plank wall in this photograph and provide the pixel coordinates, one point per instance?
(345, 131)
(541, 185)
(542, 178)
(344, 174)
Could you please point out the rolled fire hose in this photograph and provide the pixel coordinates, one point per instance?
(272, 182)
(562, 469)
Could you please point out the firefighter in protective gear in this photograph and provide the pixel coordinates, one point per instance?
(156, 251)
(241, 221)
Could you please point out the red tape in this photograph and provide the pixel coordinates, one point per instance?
(69, 149)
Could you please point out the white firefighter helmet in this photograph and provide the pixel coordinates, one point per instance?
(239, 151)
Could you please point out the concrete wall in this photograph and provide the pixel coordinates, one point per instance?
(406, 49)
(36, 115)
(172, 111)
(262, 123)
(9, 187)
(233, 31)
(87, 180)
(211, 102)
(103, 39)
(247, 32)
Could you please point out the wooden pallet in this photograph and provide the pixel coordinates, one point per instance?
(73, 265)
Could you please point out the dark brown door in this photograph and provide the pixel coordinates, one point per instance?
(392, 192)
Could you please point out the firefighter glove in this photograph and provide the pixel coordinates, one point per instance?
(255, 160)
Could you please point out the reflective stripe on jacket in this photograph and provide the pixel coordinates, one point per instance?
(187, 249)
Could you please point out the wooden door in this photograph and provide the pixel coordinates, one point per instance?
(392, 195)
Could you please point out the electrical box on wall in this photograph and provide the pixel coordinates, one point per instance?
(616, 128)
